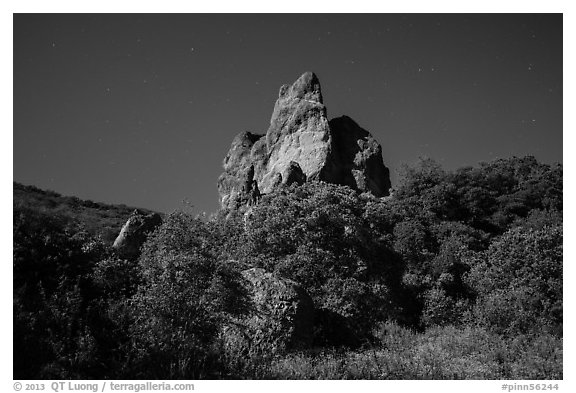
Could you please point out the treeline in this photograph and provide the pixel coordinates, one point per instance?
(476, 252)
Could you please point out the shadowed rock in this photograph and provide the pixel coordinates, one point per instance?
(359, 158)
(232, 184)
(281, 318)
(294, 174)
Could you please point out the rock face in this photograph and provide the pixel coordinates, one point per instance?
(282, 316)
(237, 170)
(302, 145)
(134, 233)
(299, 132)
(359, 157)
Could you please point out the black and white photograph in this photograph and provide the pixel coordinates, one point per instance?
(287, 196)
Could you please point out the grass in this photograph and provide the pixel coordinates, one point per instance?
(97, 218)
(439, 353)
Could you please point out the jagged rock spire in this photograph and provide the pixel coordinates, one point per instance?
(302, 145)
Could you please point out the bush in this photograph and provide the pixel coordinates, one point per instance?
(182, 305)
(57, 319)
(519, 281)
(317, 235)
(441, 309)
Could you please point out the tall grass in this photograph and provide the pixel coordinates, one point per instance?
(439, 353)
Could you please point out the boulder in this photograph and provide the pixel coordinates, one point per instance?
(302, 145)
(281, 317)
(135, 232)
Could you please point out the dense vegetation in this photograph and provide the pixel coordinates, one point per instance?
(456, 275)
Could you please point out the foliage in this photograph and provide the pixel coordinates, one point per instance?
(458, 274)
(98, 219)
(519, 281)
(439, 353)
(489, 197)
(443, 221)
(60, 329)
(317, 235)
(184, 301)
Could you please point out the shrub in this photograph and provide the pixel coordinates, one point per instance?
(519, 281)
(56, 304)
(182, 305)
(439, 353)
(317, 234)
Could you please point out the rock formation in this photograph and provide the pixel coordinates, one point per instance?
(282, 316)
(134, 233)
(359, 158)
(302, 145)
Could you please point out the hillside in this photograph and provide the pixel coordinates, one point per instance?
(96, 218)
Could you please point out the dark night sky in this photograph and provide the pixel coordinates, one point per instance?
(141, 109)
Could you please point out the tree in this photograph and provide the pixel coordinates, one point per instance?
(184, 301)
(519, 281)
(318, 235)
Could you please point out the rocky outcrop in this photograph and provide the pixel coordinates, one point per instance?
(281, 317)
(299, 132)
(359, 157)
(302, 145)
(238, 171)
(134, 233)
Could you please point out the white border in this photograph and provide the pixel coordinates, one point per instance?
(295, 6)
